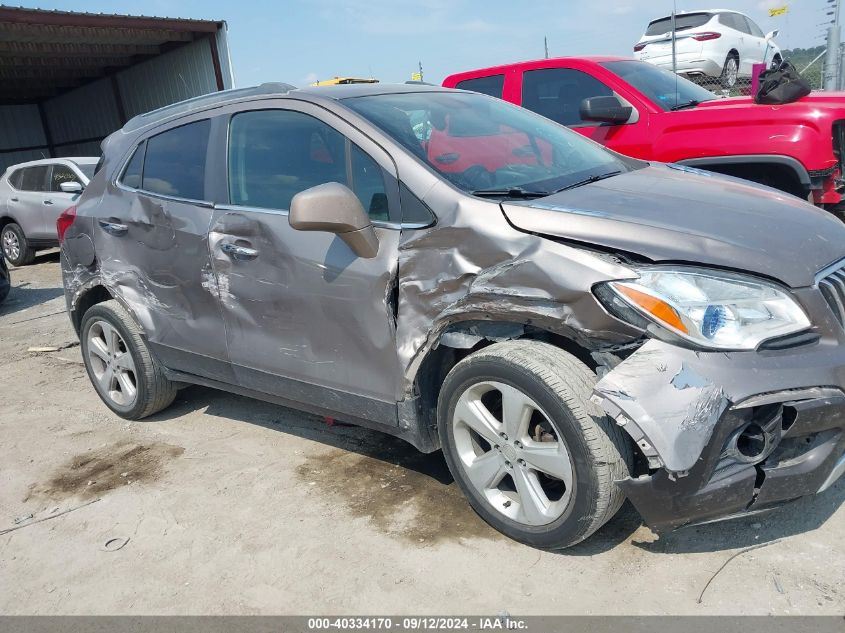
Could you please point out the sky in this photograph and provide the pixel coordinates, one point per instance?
(300, 41)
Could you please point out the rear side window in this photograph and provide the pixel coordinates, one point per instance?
(34, 178)
(557, 93)
(62, 173)
(492, 85)
(15, 178)
(682, 23)
(132, 174)
(175, 161)
(275, 154)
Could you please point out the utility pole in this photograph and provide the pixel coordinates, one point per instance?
(546, 45)
(674, 39)
(833, 61)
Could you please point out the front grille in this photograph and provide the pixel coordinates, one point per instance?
(832, 286)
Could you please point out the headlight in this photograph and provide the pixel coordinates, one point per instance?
(712, 309)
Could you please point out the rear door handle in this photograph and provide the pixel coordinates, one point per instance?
(13, 199)
(237, 252)
(112, 227)
(48, 202)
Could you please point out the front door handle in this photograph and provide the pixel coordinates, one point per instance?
(237, 252)
(112, 227)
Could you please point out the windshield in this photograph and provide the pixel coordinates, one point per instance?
(666, 89)
(483, 145)
(682, 23)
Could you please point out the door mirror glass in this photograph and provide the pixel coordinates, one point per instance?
(334, 208)
(71, 186)
(772, 34)
(605, 110)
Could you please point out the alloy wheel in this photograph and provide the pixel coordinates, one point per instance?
(731, 71)
(512, 454)
(111, 364)
(11, 245)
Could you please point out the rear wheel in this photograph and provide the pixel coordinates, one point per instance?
(15, 246)
(730, 71)
(535, 457)
(128, 379)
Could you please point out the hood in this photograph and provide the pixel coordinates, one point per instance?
(669, 213)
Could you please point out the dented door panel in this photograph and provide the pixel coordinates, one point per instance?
(160, 268)
(305, 308)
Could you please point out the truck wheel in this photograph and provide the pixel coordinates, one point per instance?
(128, 379)
(730, 72)
(535, 457)
(16, 249)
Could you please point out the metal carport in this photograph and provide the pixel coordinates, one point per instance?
(69, 79)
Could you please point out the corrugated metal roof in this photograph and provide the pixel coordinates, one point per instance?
(44, 52)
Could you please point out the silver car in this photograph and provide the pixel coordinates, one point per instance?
(32, 195)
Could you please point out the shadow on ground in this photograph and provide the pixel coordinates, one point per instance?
(391, 471)
(22, 297)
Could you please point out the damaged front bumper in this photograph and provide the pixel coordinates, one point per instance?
(728, 434)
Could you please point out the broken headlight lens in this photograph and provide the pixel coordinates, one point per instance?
(712, 309)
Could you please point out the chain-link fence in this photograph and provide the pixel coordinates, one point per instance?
(741, 86)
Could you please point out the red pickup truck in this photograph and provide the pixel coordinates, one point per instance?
(647, 112)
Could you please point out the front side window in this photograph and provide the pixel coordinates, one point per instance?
(34, 178)
(175, 161)
(755, 30)
(492, 85)
(482, 145)
(557, 93)
(62, 173)
(663, 87)
(275, 154)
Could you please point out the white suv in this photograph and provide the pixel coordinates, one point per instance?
(714, 43)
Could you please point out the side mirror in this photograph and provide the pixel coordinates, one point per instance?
(71, 186)
(772, 34)
(606, 109)
(333, 208)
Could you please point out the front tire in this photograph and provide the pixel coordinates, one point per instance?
(128, 379)
(535, 457)
(16, 248)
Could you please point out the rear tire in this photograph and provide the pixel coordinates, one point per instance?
(127, 377)
(545, 477)
(730, 71)
(16, 248)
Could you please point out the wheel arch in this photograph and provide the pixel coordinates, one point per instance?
(457, 341)
(787, 166)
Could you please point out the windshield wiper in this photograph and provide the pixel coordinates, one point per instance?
(686, 104)
(512, 192)
(590, 179)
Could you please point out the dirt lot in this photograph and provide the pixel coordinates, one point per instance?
(234, 506)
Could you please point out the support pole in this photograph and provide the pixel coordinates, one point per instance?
(833, 61)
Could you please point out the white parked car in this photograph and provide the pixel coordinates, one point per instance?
(32, 195)
(714, 43)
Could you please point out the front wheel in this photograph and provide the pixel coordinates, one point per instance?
(535, 457)
(15, 246)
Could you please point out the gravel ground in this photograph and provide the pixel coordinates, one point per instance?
(232, 506)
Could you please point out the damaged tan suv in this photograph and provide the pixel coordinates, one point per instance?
(568, 325)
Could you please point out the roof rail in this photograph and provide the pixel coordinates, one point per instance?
(212, 98)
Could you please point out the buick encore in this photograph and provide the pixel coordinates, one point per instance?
(570, 326)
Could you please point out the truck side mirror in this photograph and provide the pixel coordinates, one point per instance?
(772, 34)
(606, 109)
(332, 207)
